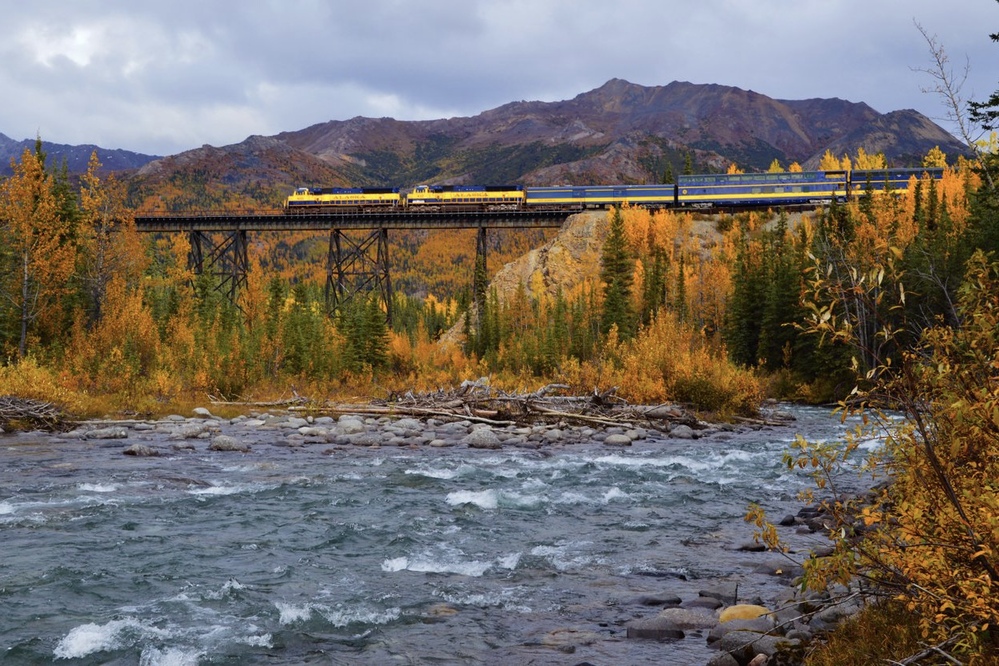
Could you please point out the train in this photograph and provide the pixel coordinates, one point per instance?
(698, 192)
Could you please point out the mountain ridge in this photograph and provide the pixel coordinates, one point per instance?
(619, 132)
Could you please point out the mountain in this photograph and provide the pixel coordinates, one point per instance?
(618, 133)
(76, 157)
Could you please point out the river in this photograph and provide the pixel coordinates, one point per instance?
(350, 555)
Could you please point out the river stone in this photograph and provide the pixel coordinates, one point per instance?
(203, 412)
(760, 625)
(411, 427)
(310, 431)
(350, 426)
(657, 600)
(140, 450)
(682, 432)
(227, 443)
(296, 422)
(742, 612)
(617, 440)
(193, 430)
(114, 432)
(655, 628)
(745, 645)
(703, 602)
(363, 439)
(723, 659)
(562, 638)
(553, 435)
(482, 438)
(689, 619)
(727, 593)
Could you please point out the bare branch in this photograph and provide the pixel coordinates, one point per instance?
(948, 87)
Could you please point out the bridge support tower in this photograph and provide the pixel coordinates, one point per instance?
(358, 264)
(222, 255)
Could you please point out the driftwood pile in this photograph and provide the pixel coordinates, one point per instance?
(480, 403)
(24, 414)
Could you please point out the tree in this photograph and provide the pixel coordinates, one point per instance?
(688, 164)
(617, 275)
(38, 246)
(109, 243)
(775, 167)
(972, 118)
(829, 162)
(935, 158)
(864, 160)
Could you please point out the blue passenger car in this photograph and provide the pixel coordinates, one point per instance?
(602, 196)
(761, 189)
(888, 180)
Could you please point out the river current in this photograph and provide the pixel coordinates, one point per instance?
(351, 555)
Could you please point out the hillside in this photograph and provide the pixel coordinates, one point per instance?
(75, 157)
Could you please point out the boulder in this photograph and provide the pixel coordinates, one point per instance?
(723, 659)
(655, 628)
(682, 432)
(617, 440)
(227, 443)
(747, 645)
(350, 426)
(141, 451)
(114, 432)
(203, 413)
(194, 431)
(760, 625)
(743, 612)
(688, 619)
(482, 438)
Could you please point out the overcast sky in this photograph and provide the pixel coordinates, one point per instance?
(163, 77)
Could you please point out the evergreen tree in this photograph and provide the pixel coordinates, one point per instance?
(654, 288)
(617, 274)
(688, 164)
(742, 321)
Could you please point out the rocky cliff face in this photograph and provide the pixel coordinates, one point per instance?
(564, 262)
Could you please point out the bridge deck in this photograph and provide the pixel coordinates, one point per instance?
(323, 221)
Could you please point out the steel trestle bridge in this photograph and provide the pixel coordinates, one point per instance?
(357, 262)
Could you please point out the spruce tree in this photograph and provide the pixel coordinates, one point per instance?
(616, 272)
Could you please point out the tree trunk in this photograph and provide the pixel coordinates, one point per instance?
(22, 347)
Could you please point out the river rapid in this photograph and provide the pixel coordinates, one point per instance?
(300, 552)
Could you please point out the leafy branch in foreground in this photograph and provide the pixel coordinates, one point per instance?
(929, 537)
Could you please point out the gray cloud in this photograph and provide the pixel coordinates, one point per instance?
(165, 77)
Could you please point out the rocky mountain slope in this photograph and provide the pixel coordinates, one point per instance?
(620, 132)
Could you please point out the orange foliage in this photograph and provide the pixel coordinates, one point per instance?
(38, 239)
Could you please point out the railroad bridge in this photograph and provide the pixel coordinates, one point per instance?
(356, 262)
